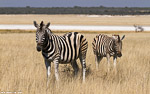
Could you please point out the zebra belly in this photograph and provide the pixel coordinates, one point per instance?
(101, 54)
(104, 54)
(65, 61)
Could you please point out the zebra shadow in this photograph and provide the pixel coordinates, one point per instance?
(68, 71)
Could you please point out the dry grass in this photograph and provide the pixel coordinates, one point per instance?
(22, 68)
(76, 19)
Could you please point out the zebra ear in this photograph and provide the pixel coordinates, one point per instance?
(123, 37)
(118, 38)
(48, 24)
(41, 24)
(35, 24)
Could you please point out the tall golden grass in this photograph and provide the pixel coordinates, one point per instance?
(22, 68)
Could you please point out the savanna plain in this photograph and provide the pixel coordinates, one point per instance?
(22, 68)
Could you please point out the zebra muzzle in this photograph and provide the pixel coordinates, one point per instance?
(119, 54)
(38, 48)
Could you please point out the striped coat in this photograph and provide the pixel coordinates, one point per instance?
(61, 49)
(105, 46)
(67, 47)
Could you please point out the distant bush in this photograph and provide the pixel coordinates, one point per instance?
(76, 10)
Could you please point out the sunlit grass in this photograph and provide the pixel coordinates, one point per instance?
(22, 68)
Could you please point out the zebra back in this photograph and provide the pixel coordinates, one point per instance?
(78, 42)
(68, 47)
(103, 44)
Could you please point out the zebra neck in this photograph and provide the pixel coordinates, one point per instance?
(48, 40)
(112, 47)
(49, 46)
(45, 41)
(114, 50)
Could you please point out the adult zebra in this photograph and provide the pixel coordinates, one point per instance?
(61, 49)
(105, 46)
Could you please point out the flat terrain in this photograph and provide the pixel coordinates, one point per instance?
(77, 19)
(22, 67)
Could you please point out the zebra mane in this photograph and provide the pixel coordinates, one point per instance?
(115, 36)
(41, 25)
(47, 29)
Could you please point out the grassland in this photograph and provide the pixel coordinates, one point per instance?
(22, 68)
(76, 19)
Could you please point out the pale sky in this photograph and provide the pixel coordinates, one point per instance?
(71, 3)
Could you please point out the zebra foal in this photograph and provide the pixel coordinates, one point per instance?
(61, 49)
(105, 46)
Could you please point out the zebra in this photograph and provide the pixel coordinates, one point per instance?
(105, 46)
(61, 49)
(138, 28)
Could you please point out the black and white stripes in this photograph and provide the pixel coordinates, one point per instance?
(71, 46)
(105, 46)
(61, 49)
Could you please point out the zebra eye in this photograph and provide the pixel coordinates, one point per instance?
(115, 43)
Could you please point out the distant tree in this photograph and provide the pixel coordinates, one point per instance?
(27, 6)
(77, 7)
(101, 10)
(101, 6)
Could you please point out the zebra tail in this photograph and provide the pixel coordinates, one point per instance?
(84, 45)
(94, 45)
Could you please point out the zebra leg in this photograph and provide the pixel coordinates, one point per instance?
(56, 63)
(97, 61)
(108, 61)
(75, 67)
(48, 68)
(83, 64)
(115, 58)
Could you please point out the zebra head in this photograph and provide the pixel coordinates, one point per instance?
(118, 44)
(41, 34)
